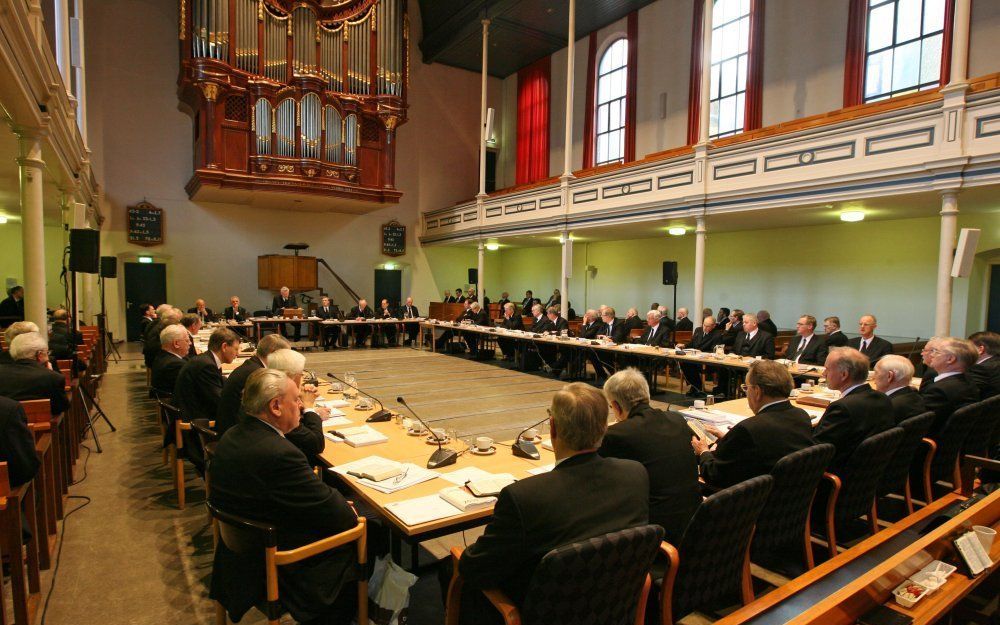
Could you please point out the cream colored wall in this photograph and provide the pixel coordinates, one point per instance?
(663, 67)
(984, 45)
(143, 143)
(12, 261)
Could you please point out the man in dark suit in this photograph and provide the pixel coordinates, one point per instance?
(504, 298)
(511, 321)
(64, 339)
(148, 313)
(151, 340)
(806, 348)
(584, 496)
(632, 320)
(683, 323)
(30, 375)
(527, 303)
(555, 357)
(656, 334)
(409, 311)
(13, 330)
(204, 312)
(448, 298)
(764, 323)
(750, 341)
(174, 345)
(753, 446)
(892, 377)
(951, 387)
(541, 323)
(285, 299)
(308, 436)
(860, 412)
(479, 317)
(235, 312)
(330, 332)
(590, 325)
(359, 313)
(192, 323)
(703, 339)
(386, 331)
(986, 372)
(17, 443)
(259, 474)
(660, 441)
(460, 296)
(229, 412)
(12, 308)
(734, 328)
(874, 347)
(834, 337)
(199, 387)
(614, 330)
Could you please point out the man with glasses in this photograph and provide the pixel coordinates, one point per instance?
(805, 348)
(30, 376)
(951, 387)
(872, 346)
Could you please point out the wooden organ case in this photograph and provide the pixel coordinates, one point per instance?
(298, 96)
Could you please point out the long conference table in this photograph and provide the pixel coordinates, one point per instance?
(317, 328)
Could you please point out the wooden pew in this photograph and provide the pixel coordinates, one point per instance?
(47, 490)
(25, 585)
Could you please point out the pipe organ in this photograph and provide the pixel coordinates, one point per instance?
(299, 96)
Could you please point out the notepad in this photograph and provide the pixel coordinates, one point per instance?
(422, 509)
(362, 436)
(336, 421)
(490, 486)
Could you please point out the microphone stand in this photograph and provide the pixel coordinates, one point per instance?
(527, 449)
(381, 415)
(440, 458)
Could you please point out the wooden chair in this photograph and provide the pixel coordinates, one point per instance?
(47, 490)
(611, 572)
(978, 442)
(896, 479)
(24, 577)
(176, 426)
(852, 494)
(937, 466)
(245, 536)
(161, 398)
(711, 566)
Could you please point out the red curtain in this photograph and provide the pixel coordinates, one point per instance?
(753, 115)
(854, 61)
(533, 121)
(694, 89)
(591, 107)
(630, 89)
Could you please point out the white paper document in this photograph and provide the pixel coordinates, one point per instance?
(711, 415)
(467, 474)
(542, 469)
(464, 500)
(336, 420)
(362, 435)
(333, 403)
(410, 475)
(422, 509)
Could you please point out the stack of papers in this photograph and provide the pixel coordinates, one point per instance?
(719, 418)
(336, 421)
(406, 474)
(481, 483)
(422, 509)
(361, 436)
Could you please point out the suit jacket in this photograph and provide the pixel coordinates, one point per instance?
(503, 301)
(357, 312)
(634, 323)
(542, 324)
(229, 412)
(386, 313)
(240, 314)
(986, 376)
(582, 497)
(481, 318)
(591, 330)
(526, 305)
(660, 339)
(408, 312)
(906, 403)
(192, 352)
(948, 395)
(835, 339)
(684, 325)
(17, 443)
(661, 442)
(27, 379)
(756, 444)
(762, 344)
(11, 309)
(618, 331)
(877, 348)
(559, 325)
(768, 326)
(166, 368)
(199, 388)
(308, 436)
(450, 300)
(205, 318)
(734, 330)
(280, 302)
(63, 341)
(814, 353)
(151, 342)
(330, 313)
(258, 474)
(706, 342)
(851, 419)
(515, 322)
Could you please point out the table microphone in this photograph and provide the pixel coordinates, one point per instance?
(381, 415)
(527, 449)
(440, 458)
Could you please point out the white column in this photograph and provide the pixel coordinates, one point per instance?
(80, 67)
(482, 127)
(61, 19)
(960, 42)
(706, 74)
(699, 272)
(570, 62)
(946, 252)
(567, 269)
(30, 166)
(479, 280)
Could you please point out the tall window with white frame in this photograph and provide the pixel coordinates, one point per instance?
(730, 57)
(903, 47)
(612, 85)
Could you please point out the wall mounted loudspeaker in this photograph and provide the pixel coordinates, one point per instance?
(473, 276)
(490, 116)
(965, 253)
(109, 267)
(669, 272)
(84, 250)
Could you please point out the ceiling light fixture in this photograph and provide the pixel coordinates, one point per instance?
(677, 231)
(3, 219)
(492, 246)
(852, 216)
(146, 260)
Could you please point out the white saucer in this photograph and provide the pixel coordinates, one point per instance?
(430, 440)
(475, 451)
(420, 433)
(534, 441)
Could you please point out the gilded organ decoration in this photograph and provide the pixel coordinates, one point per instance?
(295, 96)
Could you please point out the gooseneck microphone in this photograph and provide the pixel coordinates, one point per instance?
(440, 458)
(381, 415)
(527, 449)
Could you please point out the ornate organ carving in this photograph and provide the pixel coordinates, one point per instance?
(301, 96)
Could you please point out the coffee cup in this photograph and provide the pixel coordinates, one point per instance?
(806, 386)
(699, 403)
(531, 434)
(417, 427)
(438, 433)
(484, 443)
(986, 535)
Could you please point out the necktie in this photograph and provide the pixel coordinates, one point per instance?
(802, 347)
(864, 346)
(652, 333)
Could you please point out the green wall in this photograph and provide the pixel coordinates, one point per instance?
(12, 261)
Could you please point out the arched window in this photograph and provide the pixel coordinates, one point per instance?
(903, 46)
(612, 87)
(730, 60)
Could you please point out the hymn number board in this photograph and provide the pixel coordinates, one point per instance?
(145, 224)
(393, 239)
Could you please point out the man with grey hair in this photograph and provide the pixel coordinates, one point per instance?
(480, 317)
(228, 413)
(15, 329)
(511, 321)
(860, 412)
(542, 323)
(683, 323)
(750, 342)
(704, 339)
(308, 436)
(192, 323)
(590, 325)
(893, 374)
(30, 376)
(656, 333)
(258, 474)
(584, 496)
(765, 323)
(175, 342)
(874, 347)
(284, 299)
(951, 387)
(168, 315)
(632, 319)
(658, 440)
(986, 372)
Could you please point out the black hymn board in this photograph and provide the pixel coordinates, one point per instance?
(145, 224)
(393, 239)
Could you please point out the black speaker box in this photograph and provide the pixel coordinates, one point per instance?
(473, 275)
(109, 267)
(84, 250)
(669, 272)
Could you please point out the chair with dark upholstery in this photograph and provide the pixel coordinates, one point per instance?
(852, 494)
(209, 438)
(782, 535)
(710, 569)
(245, 536)
(599, 581)
(939, 461)
(977, 443)
(896, 479)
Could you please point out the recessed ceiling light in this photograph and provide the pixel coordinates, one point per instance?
(492, 246)
(3, 219)
(677, 231)
(852, 215)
